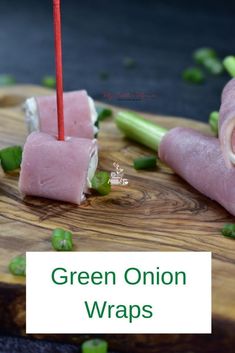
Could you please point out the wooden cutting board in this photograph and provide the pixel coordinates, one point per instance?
(156, 211)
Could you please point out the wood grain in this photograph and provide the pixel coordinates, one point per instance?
(156, 211)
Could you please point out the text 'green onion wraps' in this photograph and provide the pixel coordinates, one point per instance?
(197, 158)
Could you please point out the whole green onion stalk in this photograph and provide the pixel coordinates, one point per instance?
(139, 129)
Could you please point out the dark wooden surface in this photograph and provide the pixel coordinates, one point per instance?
(156, 211)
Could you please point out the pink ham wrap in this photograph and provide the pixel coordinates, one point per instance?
(198, 160)
(227, 123)
(56, 169)
(77, 115)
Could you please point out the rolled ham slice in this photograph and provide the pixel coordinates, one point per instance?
(59, 170)
(227, 123)
(80, 115)
(198, 160)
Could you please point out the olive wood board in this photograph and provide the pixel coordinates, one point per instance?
(156, 211)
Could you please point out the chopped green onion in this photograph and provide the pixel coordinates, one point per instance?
(49, 81)
(193, 75)
(228, 230)
(95, 346)
(213, 121)
(103, 113)
(104, 75)
(101, 183)
(146, 162)
(129, 63)
(139, 129)
(17, 266)
(62, 240)
(229, 64)
(201, 54)
(11, 158)
(213, 66)
(7, 80)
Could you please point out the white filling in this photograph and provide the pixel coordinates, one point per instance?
(31, 114)
(92, 168)
(94, 114)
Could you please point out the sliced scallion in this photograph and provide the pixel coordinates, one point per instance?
(49, 81)
(214, 66)
(95, 346)
(201, 54)
(228, 230)
(7, 80)
(62, 240)
(129, 63)
(17, 266)
(11, 158)
(103, 113)
(146, 162)
(101, 183)
(193, 75)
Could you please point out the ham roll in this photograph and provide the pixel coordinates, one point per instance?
(198, 159)
(80, 115)
(59, 170)
(227, 123)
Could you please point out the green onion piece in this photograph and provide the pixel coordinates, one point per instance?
(213, 66)
(229, 64)
(103, 113)
(213, 121)
(101, 183)
(95, 346)
(201, 54)
(62, 240)
(193, 75)
(129, 63)
(7, 80)
(228, 230)
(49, 81)
(104, 75)
(146, 162)
(11, 158)
(139, 129)
(17, 266)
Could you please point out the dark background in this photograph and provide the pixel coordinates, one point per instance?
(97, 35)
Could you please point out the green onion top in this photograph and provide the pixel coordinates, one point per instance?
(229, 64)
(101, 183)
(11, 158)
(146, 162)
(17, 266)
(49, 81)
(214, 121)
(95, 346)
(7, 80)
(202, 54)
(62, 240)
(193, 75)
(228, 230)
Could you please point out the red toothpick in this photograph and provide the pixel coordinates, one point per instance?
(59, 68)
